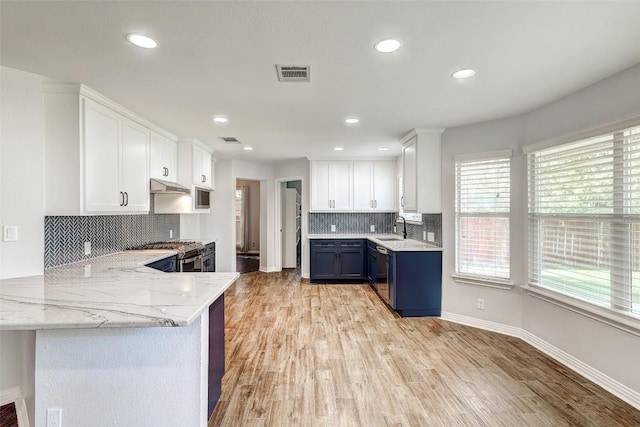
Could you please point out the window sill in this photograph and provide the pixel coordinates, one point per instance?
(482, 281)
(624, 322)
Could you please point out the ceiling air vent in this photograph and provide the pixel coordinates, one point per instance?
(294, 73)
(229, 140)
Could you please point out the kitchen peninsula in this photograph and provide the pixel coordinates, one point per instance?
(118, 343)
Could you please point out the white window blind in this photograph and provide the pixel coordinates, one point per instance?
(483, 200)
(584, 220)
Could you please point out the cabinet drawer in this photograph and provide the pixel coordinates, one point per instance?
(351, 243)
(324, 244)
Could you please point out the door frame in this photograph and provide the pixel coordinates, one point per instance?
(278, 223)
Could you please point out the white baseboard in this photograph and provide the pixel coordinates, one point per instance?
(613, 386)
(268, 269)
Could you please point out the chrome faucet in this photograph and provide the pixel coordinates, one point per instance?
(404, 227)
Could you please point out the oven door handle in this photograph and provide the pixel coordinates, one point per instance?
(192, 259)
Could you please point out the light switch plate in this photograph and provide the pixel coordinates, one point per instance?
(372, 228)
(87, 248)
(171, 234)
(10, 233)
(333, 228)
(431, 237)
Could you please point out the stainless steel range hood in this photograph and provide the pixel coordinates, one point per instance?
(159, 186)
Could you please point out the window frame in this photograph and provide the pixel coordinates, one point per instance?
(482, 280)
(624, 319)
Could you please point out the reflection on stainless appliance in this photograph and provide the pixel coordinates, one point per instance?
(384, 289)
(190, 254)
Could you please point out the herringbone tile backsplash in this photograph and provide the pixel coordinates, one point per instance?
(64, 236)
(359, 223)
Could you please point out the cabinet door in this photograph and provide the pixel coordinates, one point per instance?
(170, 156)
(363, 199)
(101, 138)
(410, 175)
(384, 180)
(206, 168)
(135, 167)
(157, 164)
(320, 200)
(351, 259)
(341, 185)
(323, 260)
(201, 163)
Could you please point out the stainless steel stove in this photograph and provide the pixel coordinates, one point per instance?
(189, 255)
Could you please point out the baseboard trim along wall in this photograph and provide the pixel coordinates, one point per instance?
(620, 390)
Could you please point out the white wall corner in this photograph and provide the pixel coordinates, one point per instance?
(632, 397)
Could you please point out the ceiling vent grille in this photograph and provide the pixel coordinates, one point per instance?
(229, 140)
(294, 73)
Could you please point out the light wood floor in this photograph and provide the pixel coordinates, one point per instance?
(334, 355)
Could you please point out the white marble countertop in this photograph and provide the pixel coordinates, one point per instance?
(398, 244)
(114, 291)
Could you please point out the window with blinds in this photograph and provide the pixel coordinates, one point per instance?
(483, 206)
(584, 220)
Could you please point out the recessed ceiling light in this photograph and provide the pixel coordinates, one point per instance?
(220, 119)
(247, 148)
(351, 121)
(465, 73)
(383, 149)
(142, 41)
(387, 46)
(338, 148)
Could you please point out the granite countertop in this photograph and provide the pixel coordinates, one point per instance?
(114, 291)
(398, 244)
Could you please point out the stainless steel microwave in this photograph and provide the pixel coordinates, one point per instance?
(201, 197)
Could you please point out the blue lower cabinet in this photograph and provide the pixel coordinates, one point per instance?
(416, 282)
(337, 260)
(216, 352)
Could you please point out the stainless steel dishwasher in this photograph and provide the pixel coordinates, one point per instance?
(384, 290)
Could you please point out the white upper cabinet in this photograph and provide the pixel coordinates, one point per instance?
(163, 158)
(102, 131)
(96, 153)
(409, 198)
(134, 178)
(374, 185)
(201, 163)
(116, 153)
(331, 186)
(421, 171)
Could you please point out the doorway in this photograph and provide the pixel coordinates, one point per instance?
(291, 224)
(247, 209)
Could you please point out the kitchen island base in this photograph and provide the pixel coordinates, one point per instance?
(124, 376)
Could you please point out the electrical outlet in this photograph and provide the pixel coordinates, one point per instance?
(333, 228)
(394, 228)
(431, 237)
(372, 228)
(480, 303)
(54, 417)
(171, 234)
(424, 235)
(87, 248)
(10, 233)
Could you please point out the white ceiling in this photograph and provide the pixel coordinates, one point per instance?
(219, 58)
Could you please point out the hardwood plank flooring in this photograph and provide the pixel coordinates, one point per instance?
(334, 355)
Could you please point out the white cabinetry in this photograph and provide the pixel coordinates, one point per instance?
(163, 158)
(96, 153)
(331, 186)
(374, 185)
(201, 163)
(421, 171)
